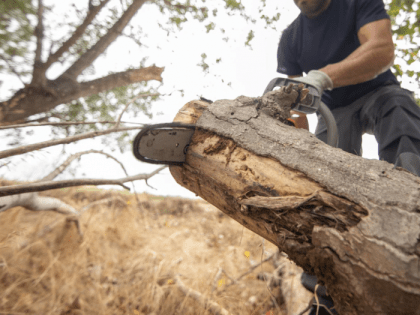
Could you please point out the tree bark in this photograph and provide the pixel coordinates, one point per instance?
(353, 222)
(33, 100)
(43, 95)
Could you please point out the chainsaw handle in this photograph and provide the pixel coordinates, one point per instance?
(316, 106)
(332, 131)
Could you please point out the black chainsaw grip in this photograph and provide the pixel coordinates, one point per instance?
(316, 106)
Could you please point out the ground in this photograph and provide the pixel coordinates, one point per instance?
(127, 257)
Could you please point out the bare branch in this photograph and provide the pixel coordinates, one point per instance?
(73, 157)
(119, 79)
(129, 103)
(142, 176)
(21, 106)
(92, 13)
(89, 56)
(67, 123)
(38, 76)
(50, 143)
(41, 186)
(32, 201)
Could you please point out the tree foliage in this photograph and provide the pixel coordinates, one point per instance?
(405, 18)
(20, 28)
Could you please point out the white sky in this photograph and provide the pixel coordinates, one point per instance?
(248, 71)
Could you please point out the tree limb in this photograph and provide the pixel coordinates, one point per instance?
(92, 13)
(89, 56)
(75, 156)
(38, 76)
(50, 143)
(41, 186)
(128, 104)
(32, 201)
(66, 123)
(21, 106)
(119, 79)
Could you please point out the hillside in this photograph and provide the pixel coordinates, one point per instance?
(128, 256)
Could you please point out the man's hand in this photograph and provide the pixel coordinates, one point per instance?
(320, 80)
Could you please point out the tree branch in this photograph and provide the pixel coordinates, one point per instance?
(38, 76)
(73, 157)
(119, 79)
(21, 106)
(67, 123)
(41, 186)
(92, 13)
(32, 201)
(89, 56)
(50, 143)
(128, 104)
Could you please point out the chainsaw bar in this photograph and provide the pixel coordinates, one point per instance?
(163, 143)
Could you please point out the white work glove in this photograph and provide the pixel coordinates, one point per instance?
(318, 79)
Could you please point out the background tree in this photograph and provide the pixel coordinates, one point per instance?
(33, 41)
(74, 41)
(405, 17)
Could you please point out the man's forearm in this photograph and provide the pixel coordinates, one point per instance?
(364, 64)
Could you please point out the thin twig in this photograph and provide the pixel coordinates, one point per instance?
(50, 143)
(42, 186)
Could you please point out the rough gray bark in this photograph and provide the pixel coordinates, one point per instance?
(353, 222)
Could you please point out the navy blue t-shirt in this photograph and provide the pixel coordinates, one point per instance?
(311, 44)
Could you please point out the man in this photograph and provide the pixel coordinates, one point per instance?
(346, 49)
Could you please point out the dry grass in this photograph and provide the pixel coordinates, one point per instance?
(127, 258)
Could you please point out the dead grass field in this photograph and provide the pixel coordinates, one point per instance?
(127, 258)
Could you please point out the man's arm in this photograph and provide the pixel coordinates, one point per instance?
(373, 57)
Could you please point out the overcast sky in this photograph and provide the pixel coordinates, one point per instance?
(242, 71)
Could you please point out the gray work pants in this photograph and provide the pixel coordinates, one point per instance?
(391, 114)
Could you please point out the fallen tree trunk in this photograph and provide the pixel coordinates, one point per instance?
(353, 222)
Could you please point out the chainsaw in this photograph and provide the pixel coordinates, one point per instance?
(168, 143)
